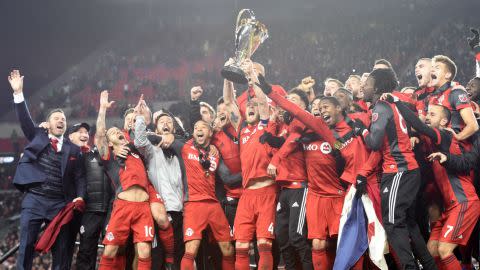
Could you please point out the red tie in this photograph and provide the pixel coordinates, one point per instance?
(54, 142)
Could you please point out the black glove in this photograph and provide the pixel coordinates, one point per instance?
(266, 87)
(475, 40)
(358, 127)
(287, 117)
(361, 186)
(392, 99)
(273, 141)
(308, 138)
(154, 139)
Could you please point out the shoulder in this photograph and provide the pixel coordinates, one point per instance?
(381, 108)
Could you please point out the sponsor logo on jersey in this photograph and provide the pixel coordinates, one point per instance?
(189, 232)
(109, 236)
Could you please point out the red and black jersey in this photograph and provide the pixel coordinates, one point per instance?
(126, 173)
(200, 182)
(362, 104)
(423, 95)
(389, 133)
(226, 141)
(254, 155)
(455, 187)
(289, 159)
(453, 99)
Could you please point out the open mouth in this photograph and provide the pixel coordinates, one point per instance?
(316, 114)
(251, 113)
(434, 77)
(84, 140)
(223, 118)
(165, 129)
(419, 77)
(200, 136)
(326, 118)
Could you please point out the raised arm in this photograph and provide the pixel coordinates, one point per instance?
(474, 43)
(416, 123)
(101, 133)
(195, 94)
(230, 103)
(23, 115)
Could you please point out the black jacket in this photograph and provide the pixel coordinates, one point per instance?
(99, 189)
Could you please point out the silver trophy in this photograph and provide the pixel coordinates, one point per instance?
(249, 34)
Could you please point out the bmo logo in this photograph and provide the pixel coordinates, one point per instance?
(324, 147)
(245, 139)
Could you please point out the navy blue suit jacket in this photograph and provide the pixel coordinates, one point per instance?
(29, 170)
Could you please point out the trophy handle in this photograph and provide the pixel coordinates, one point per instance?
(239, 16)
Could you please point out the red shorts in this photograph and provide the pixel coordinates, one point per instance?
(323, 215)
(456, 224)
(256, 213)
(198, 215)
(129, 216)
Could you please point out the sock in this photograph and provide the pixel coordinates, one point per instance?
(266, 258)
(166, 237)
(107, 263)
(121, 261)
(359, 264)
(319, 259)
(187, 261)
(438, 262)
(144, 263)
(451, 263)
(331, 253)
(228, 262)
(242, 261)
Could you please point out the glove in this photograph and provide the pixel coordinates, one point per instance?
(361, 186)
(475, 40)
(273, 141)
(359, 128)
(79, 205)
(392, 99)
(287, 117)
(266, 87)
(265, 136)
(308, 138)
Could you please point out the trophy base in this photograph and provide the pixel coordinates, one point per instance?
(234, 74)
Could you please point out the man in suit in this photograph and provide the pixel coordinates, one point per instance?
(51, 174)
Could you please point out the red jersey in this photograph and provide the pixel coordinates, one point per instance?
(127, 173)
(352, 148)
(454, 187)
(453, 99)
(250, 93)
(388, 133)
(423, 95)
(323, 178)
(289, 159)
(200, 184)
(254, 155)
(226, 141)
(362, 104)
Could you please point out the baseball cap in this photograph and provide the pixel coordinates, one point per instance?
(77, 126)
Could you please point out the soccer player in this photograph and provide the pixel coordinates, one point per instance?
(131, 210)
(331, 86)
(201, 208)
(456, 100)
(462, 207)
(256, 208)
(288, 168)
(401, 178)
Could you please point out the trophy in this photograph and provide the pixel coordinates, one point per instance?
(249, 34)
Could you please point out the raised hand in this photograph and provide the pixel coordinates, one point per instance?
(196, 92)
(104, 103)
(474, 41)
(16, 81)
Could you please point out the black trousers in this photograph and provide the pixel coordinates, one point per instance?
(291, 228)
(158, 253)
(92, 225)
(398, 194)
